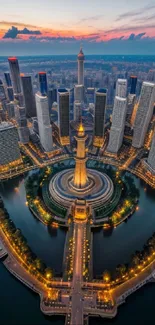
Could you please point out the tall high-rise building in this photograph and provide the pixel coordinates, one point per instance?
(77, 111)
(44, 126)
(81, 59)
(151, 157)
(63, 116)
(23, 129)
(118, 124)
(15, 75)
(43, 83)
(133, 83)
(100, 106)
(52, 97)
(10, 94)
(2, 91)
(79, 93)
(9, 148)
(151, 75)
(8, 79)
(29, 99)
(90, 95)
(11, 110)
(144, 114)
(121, 88)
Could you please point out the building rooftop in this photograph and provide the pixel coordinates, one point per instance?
(6, 125)
(13, 58)
(62, 90)
(102, 90)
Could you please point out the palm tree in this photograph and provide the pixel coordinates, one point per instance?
(121, 270)
(39, 264)
(106, 276)
(48, 273)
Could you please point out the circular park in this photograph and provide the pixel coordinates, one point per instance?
(111, 198)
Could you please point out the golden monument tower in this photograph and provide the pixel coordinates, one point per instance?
(80, 179)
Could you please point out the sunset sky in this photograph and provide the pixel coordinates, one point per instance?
(59, 27)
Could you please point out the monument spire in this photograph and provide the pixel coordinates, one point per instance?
(80, 179)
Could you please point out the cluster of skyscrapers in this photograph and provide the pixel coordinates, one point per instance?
(21, 105)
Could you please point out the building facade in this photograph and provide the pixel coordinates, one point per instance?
(15, 75)
(9, 147)
(133, 84)
(151, 157)
(99, 118)
(144, 114)
(118, 124)
(63, 116)
(29, 99)
(44, 126)
(121, 88)
(43, 83)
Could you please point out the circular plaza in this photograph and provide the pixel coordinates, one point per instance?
(98, 190)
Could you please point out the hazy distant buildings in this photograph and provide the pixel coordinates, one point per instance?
(121, 88)
(151, 75)
(43, 83)
(9, 148)
(118, 124)
(44, 126)
(133, 83)
(144, 114)
(63, 116)
(29, 99)
(99, 119)
(81, 59)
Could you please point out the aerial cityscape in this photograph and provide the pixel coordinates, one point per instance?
(77, 170)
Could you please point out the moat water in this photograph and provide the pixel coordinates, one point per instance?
(20, 306)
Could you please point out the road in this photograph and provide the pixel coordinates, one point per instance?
(77, 296)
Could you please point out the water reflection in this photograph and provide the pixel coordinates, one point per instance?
(46, 243)
(118, 246)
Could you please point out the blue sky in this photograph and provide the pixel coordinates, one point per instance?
(59, 27)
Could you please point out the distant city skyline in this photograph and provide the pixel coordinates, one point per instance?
(47, 27)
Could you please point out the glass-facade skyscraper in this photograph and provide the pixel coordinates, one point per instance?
(63, 116)
(29, 99)
(43, 83)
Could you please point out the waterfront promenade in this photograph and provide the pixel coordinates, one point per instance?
(77, 298)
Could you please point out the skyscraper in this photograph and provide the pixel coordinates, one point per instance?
(144, 114)
(133, 82)
(29, 99)
(44, 126)
(79, 93)
(77, 111)
(8, 79)
(100, 105)
(151, 157)
(9, 148)
(15, 75)
(63, 116)
(118, 124)
(43, 83)
(52, 97)
(10, 94)
(23, 129)
(81, 59)
(121, 88)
